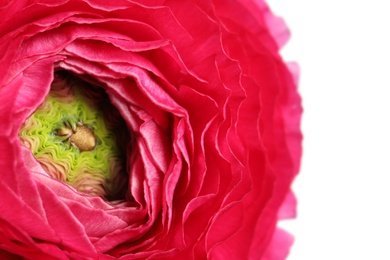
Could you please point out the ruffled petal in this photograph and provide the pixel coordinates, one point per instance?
(213, 115)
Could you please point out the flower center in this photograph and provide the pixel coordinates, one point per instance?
(79, 137)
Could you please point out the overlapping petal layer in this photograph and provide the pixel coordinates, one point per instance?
(214, 118)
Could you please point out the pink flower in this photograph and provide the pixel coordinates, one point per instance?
(212, 111)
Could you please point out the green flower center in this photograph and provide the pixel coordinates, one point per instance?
(76, 136)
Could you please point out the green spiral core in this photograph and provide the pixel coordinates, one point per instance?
(88, 171)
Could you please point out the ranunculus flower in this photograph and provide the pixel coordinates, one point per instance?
(202, 163)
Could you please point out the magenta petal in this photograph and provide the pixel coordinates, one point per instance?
(288, 208)
(280, 245)
(19, 244)
(213, 116)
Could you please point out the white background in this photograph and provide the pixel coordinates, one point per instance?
(343, 48)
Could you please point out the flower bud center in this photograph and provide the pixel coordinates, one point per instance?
(79, 138)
